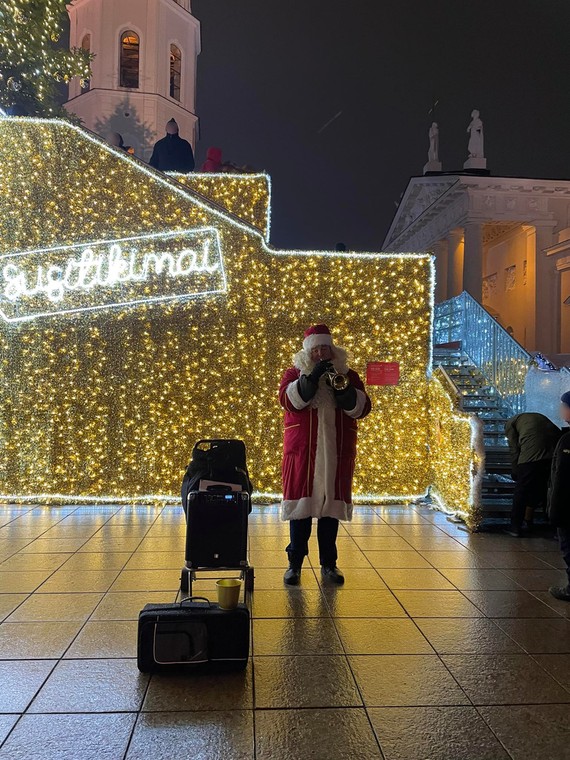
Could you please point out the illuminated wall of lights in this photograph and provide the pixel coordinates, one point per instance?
(456, 455)
(248, 196)
(108, 403)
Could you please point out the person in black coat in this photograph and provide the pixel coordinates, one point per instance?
(172, 153)
(559, 497)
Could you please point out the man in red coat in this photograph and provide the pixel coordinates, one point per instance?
(319, 449)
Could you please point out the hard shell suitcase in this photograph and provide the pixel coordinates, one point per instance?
(216, 531)
(193, 635)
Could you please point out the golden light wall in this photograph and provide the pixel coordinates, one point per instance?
(107, 403)
(456, 454)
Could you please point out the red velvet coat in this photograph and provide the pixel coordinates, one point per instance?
(300, 448)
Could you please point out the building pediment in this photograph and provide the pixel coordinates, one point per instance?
(422, 194)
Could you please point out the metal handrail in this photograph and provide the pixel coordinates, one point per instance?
(502, 361)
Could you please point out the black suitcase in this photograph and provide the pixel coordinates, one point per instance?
(192, 635)
(216, 531)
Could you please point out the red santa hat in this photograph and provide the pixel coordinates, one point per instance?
(317, 335)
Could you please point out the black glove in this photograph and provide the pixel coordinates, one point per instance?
(319, 370)
(347, 398)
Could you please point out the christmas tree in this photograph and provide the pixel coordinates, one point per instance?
(33, 62)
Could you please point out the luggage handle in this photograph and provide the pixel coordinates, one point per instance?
(194, 599)
(217, 440)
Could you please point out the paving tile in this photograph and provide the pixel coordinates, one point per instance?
(105, 638)
(40, 641)
(182, 692)
(558, 665)
(559, 606)
(537, 579)
(288, 603)
(394, 559)
(495, 679)
(370, 529)
(155, 561)
(531, 732)
(25, 563)
(9, 602)
(439, 544)
(510, 560)
(200, 736)
(69, 737)
(381, 636)
(78, 581)
(361, 603)
(158, 544)
(329, 734)
(271, 578)
(383, 543)
(539, 636)
(60, 607)
(295, 636)
(53, 546)
(452, 604)
(442, 728)
(405, 680)
(293, 682)
(127, 605)
(22, 583)
(7, 723)
(552, 559)
(91, 561)
(357, 578)
(502, 604)
(113, 545)
(92, 686)
(415, 579)
(466, 635)
(455, 559)
(480, 578)
(147, 580)
(21, 680)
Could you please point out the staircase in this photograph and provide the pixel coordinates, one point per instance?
(477, 396)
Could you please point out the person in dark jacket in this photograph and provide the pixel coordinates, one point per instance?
(532, 439)
(559, 497)
(172, 153)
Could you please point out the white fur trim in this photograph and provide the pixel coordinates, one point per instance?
(322, 502)
(295, 397)
(360, 404)
(317, 340)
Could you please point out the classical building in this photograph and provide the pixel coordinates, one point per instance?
(505, 240)
(144, 70)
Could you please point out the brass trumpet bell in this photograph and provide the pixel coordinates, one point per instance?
(337, 380)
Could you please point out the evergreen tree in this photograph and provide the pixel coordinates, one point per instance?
(33, 62)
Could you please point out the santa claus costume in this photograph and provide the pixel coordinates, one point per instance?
(319, 448)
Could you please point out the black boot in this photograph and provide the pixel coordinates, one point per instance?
(292, 576)
(332, 575)
(561, 592)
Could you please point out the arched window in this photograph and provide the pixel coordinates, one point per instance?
(175, 71)
(129, 63)
(86, 45)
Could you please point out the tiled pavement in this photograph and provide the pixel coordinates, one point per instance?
(441, 645)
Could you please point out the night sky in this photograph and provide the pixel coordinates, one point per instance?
(272, 74)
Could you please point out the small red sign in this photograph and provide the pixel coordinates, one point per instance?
(382, 373)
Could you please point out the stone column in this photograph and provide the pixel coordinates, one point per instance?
(454, 262)
(441, 266)
(547, 318)
(473, 260)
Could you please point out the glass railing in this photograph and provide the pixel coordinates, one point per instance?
(498, 356)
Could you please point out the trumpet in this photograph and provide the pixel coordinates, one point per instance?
(337, 380)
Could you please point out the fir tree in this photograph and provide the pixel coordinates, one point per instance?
(33, 62)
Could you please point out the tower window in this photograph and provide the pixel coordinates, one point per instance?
(130, 55)
(175, 71)
(86, 45)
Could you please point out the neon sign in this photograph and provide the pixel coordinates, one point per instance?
(108, 273)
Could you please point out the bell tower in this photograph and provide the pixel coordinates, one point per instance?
(144, 70)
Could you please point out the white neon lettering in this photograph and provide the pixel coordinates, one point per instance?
(112, 267)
